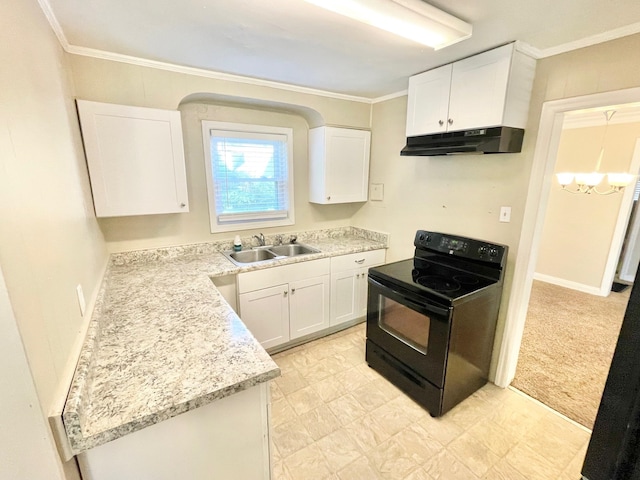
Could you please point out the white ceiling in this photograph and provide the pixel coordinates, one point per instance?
(296, 43)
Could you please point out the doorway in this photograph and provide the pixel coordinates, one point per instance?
(550, 129)
(573, 320)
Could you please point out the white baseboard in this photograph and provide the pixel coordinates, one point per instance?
(561, 282)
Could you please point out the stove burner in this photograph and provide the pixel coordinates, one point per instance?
(439, 284)
(466, 279)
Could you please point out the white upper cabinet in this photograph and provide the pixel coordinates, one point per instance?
(135, 157)
(486, 90)
(338, 165)
(428, 104)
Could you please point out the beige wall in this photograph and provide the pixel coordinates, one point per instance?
(203, 98)
(459, 194)
(463, 194)
(49, 239)
(131, 233)
(578, 229)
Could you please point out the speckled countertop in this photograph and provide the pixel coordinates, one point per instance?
(163, 341)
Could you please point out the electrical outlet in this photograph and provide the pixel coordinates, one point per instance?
(81, 301)
(505, 214)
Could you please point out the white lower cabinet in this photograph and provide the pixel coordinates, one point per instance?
(349, 285)
(283, 303)
(308, 306)
(227, 439)
(265, 312)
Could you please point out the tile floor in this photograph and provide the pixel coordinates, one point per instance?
(334, 418)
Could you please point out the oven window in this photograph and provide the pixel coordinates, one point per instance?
(407, 325)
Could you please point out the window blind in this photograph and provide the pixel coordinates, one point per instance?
(250, 175)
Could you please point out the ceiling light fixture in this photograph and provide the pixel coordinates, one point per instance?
(411, 19)
(587, 182)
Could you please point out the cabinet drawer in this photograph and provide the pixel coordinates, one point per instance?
(268, 277)
(357, 260)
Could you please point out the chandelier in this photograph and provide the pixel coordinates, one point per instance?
(588, 182)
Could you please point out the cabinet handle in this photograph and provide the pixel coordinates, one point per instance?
(358, 275)
(285, 293)
(182, 205)
(293, 290)
(361, 261)
(440, 122)
(329, 197)
(450, 121)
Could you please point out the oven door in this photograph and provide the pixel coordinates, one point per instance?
(409, 328)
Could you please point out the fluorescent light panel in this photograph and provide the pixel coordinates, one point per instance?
(412, 19)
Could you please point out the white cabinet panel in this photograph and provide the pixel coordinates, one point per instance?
(478, 90)
(308, 306)
(283, 303)
(344, 300)
(266, 314)
(490, 89)
(356, 260)
(338, 165)
(269, 277)
(428, 108)
(226, 439)
(135, 157)
(349, 284)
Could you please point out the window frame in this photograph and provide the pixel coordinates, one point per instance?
(244, 128)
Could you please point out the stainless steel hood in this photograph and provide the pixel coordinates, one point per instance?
(480, 140)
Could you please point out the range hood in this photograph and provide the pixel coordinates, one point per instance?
(480, 140)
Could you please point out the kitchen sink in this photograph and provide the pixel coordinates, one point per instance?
(252, 256)
(265, 254)
(292, 249)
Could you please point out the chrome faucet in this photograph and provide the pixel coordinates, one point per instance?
(260, 239)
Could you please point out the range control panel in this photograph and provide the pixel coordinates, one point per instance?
(469, 248)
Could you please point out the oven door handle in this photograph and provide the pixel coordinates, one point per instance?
(423, 307)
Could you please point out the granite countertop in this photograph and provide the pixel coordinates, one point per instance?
(163, 341)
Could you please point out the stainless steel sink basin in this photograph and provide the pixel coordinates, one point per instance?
(292, 249)
(270, 253)
(252, 256)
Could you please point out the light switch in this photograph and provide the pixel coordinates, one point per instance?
(505, 214)
(377, 192)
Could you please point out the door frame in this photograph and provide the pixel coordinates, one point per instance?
(544, 160)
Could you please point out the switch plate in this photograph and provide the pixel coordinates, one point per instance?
(81, 301)
(505, 214)
(377, 192)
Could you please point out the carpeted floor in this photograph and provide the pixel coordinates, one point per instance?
(569, 339)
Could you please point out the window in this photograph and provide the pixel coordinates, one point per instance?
(249, 175)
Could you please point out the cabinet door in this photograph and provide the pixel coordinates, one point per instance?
(428, 101)
(344, 298)
(136, 159)
(339, 165)
(309, 306)
(266, 314)
(479, 88)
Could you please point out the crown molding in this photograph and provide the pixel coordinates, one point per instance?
(592, 40)
(53, 21)
(116, 57)
(391, 96)
(143, 62)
